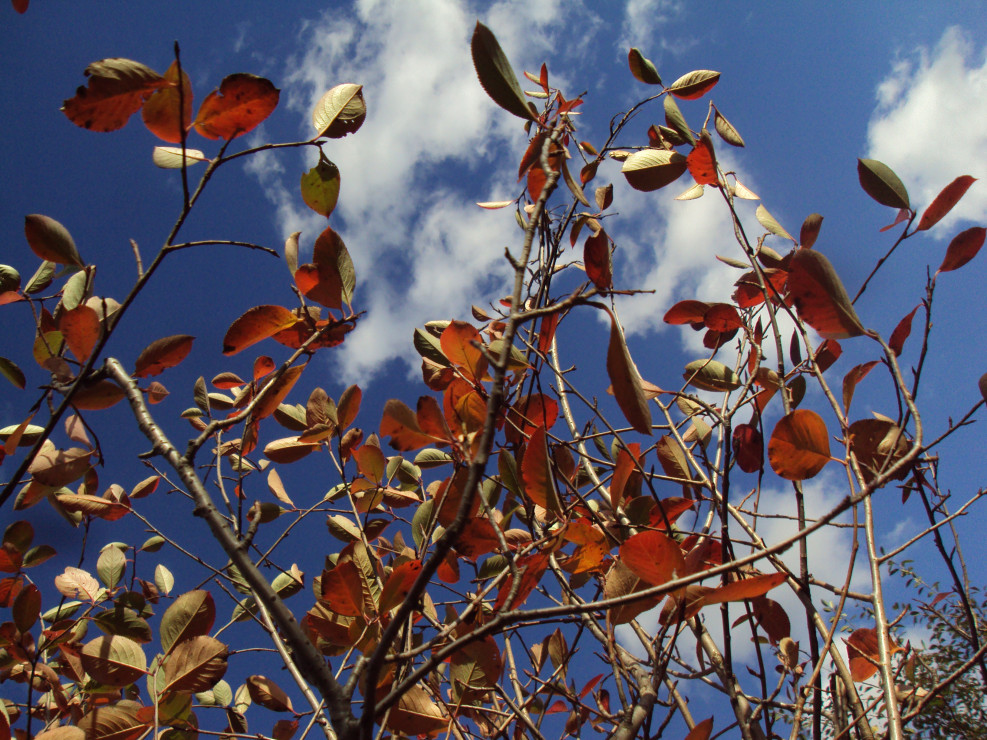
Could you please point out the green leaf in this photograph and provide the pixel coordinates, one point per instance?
(694, 84)
(114, 660)
(882, 184)
(642, 68)
(768, 222)
(10, 279)
(41, 278)
(50, 240)
(711, 375)
(12, 373)
(111, 565)
(676, 121)
(320, 188)
(496, 74)
(726, 130)
(163, 579)
(191, 615)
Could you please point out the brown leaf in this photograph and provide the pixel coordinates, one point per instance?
(536, 472)
(268, 694)
(240, 104)
(117, 89)
(160, 113)
(597, 260)
(275, 392)
(51, 241)
(626, 382)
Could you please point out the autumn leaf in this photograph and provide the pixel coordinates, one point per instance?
(799, 445)
(702, 162)
(652, 556)
(117, 89)
(536, 472)
(626, 382)
(596, 259)
(944, 202)
(341, 111)
(398, 585)
(260, 322)
(820, 298)
(693, 85)
(963, 248)
(651, 169)
(161, 112)
(496, 75)
(161, 354)
(51, 241)
(642, 68)
(81, 329)
(240, 104)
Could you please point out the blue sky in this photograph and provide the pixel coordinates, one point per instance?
(811, 87)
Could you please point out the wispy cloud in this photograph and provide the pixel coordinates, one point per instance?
(928, 125)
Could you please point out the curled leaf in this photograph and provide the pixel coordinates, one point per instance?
(341, 111)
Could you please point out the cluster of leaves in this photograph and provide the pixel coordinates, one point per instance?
(441, 617)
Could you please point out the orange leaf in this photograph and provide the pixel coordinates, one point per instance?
(330, 278)
(478, 538)
(81, 330)
(117, 89)
(100, 395)
(819, 296)
(160, 113)
(161, 354)
(702, 162)
(260, 322)
(240, 104)
(652, 557)
(799, 446)
(401, 425)
(529, 412)
(398, 585)
(963, 248)
(701, 731)
(746, 588)
(461, 344)
(945, 201)
(275, 392)
(536, 472)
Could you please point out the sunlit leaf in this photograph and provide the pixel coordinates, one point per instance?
(398, 584)
(496, 74)
(461, 343)
(493, 205)
(256, 324)
(810, 230)
(320, 187)
(240, 104)
(694, 84)
(863, 652)
(799, 445)
(330, 278)
(161, 111)
(50, 241)
(963, 248)
(114, 660)
(54, 467)
(341, 111)
(170, 157)
(768, 222)
(642, 68)
(416, 713)
(196, 664)
(686, 312)
(192, 614)
(726, 130)
(820, 298)
(711, 375)
(944, 202)
(882, 184)
(677, 130)
(268, 694)
(531, 568)
(651, 169)
(117, 89)
(161, 354)
(745, 588)
(702, 731)
(100, 395)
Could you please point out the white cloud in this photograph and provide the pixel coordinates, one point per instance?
(643, 19)
(929, 124)
(433, 144)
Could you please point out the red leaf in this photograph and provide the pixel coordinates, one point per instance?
(342, 590)
(627, 468)
(901, 333)
(330, 279)
(702, 731)
(547, 333)
(401, 424)
(20, 5)
(597, 260)
(722, 317)
(963, 248)
(529, 412)
(748, 448)
(461, 343)
(260, 322)
(162, 354)
(687, 312)
(799, 445)
(863, 652)
(117, 89)
(851, 379)
(819, 296)
(746, 588)
(240, 104)
(702, 162)
(945, 201)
